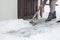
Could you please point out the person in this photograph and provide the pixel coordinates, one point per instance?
(52, 13)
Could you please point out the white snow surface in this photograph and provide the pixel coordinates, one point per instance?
(22, 30)
(9, 25)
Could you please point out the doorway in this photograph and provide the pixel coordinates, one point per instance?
(26, 8)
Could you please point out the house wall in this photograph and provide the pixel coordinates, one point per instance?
(8, 9)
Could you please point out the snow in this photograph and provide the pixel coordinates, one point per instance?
(20, 29)
(14, 25)
(14, 30)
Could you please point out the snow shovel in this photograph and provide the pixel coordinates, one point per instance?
(32, 21)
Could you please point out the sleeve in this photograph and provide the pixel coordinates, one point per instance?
(45, 1)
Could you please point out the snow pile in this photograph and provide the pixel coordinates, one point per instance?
(22, 30)
(8, 37)
(37, 29)
(13, 25)
(54, 35)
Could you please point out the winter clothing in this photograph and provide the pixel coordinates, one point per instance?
(51, 16)
(52, 13)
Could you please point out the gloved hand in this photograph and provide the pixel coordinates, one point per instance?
(42, 5)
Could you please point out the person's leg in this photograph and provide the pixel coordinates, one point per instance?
(52, 13)
(52, 5)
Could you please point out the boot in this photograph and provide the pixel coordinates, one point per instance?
(54, 15)
(58, 21)
(50, 16)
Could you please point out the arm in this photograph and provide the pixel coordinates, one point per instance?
(43, 4)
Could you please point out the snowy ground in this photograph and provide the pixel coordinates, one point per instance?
(22, 30)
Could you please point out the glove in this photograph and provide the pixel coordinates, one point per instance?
(42, 5)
